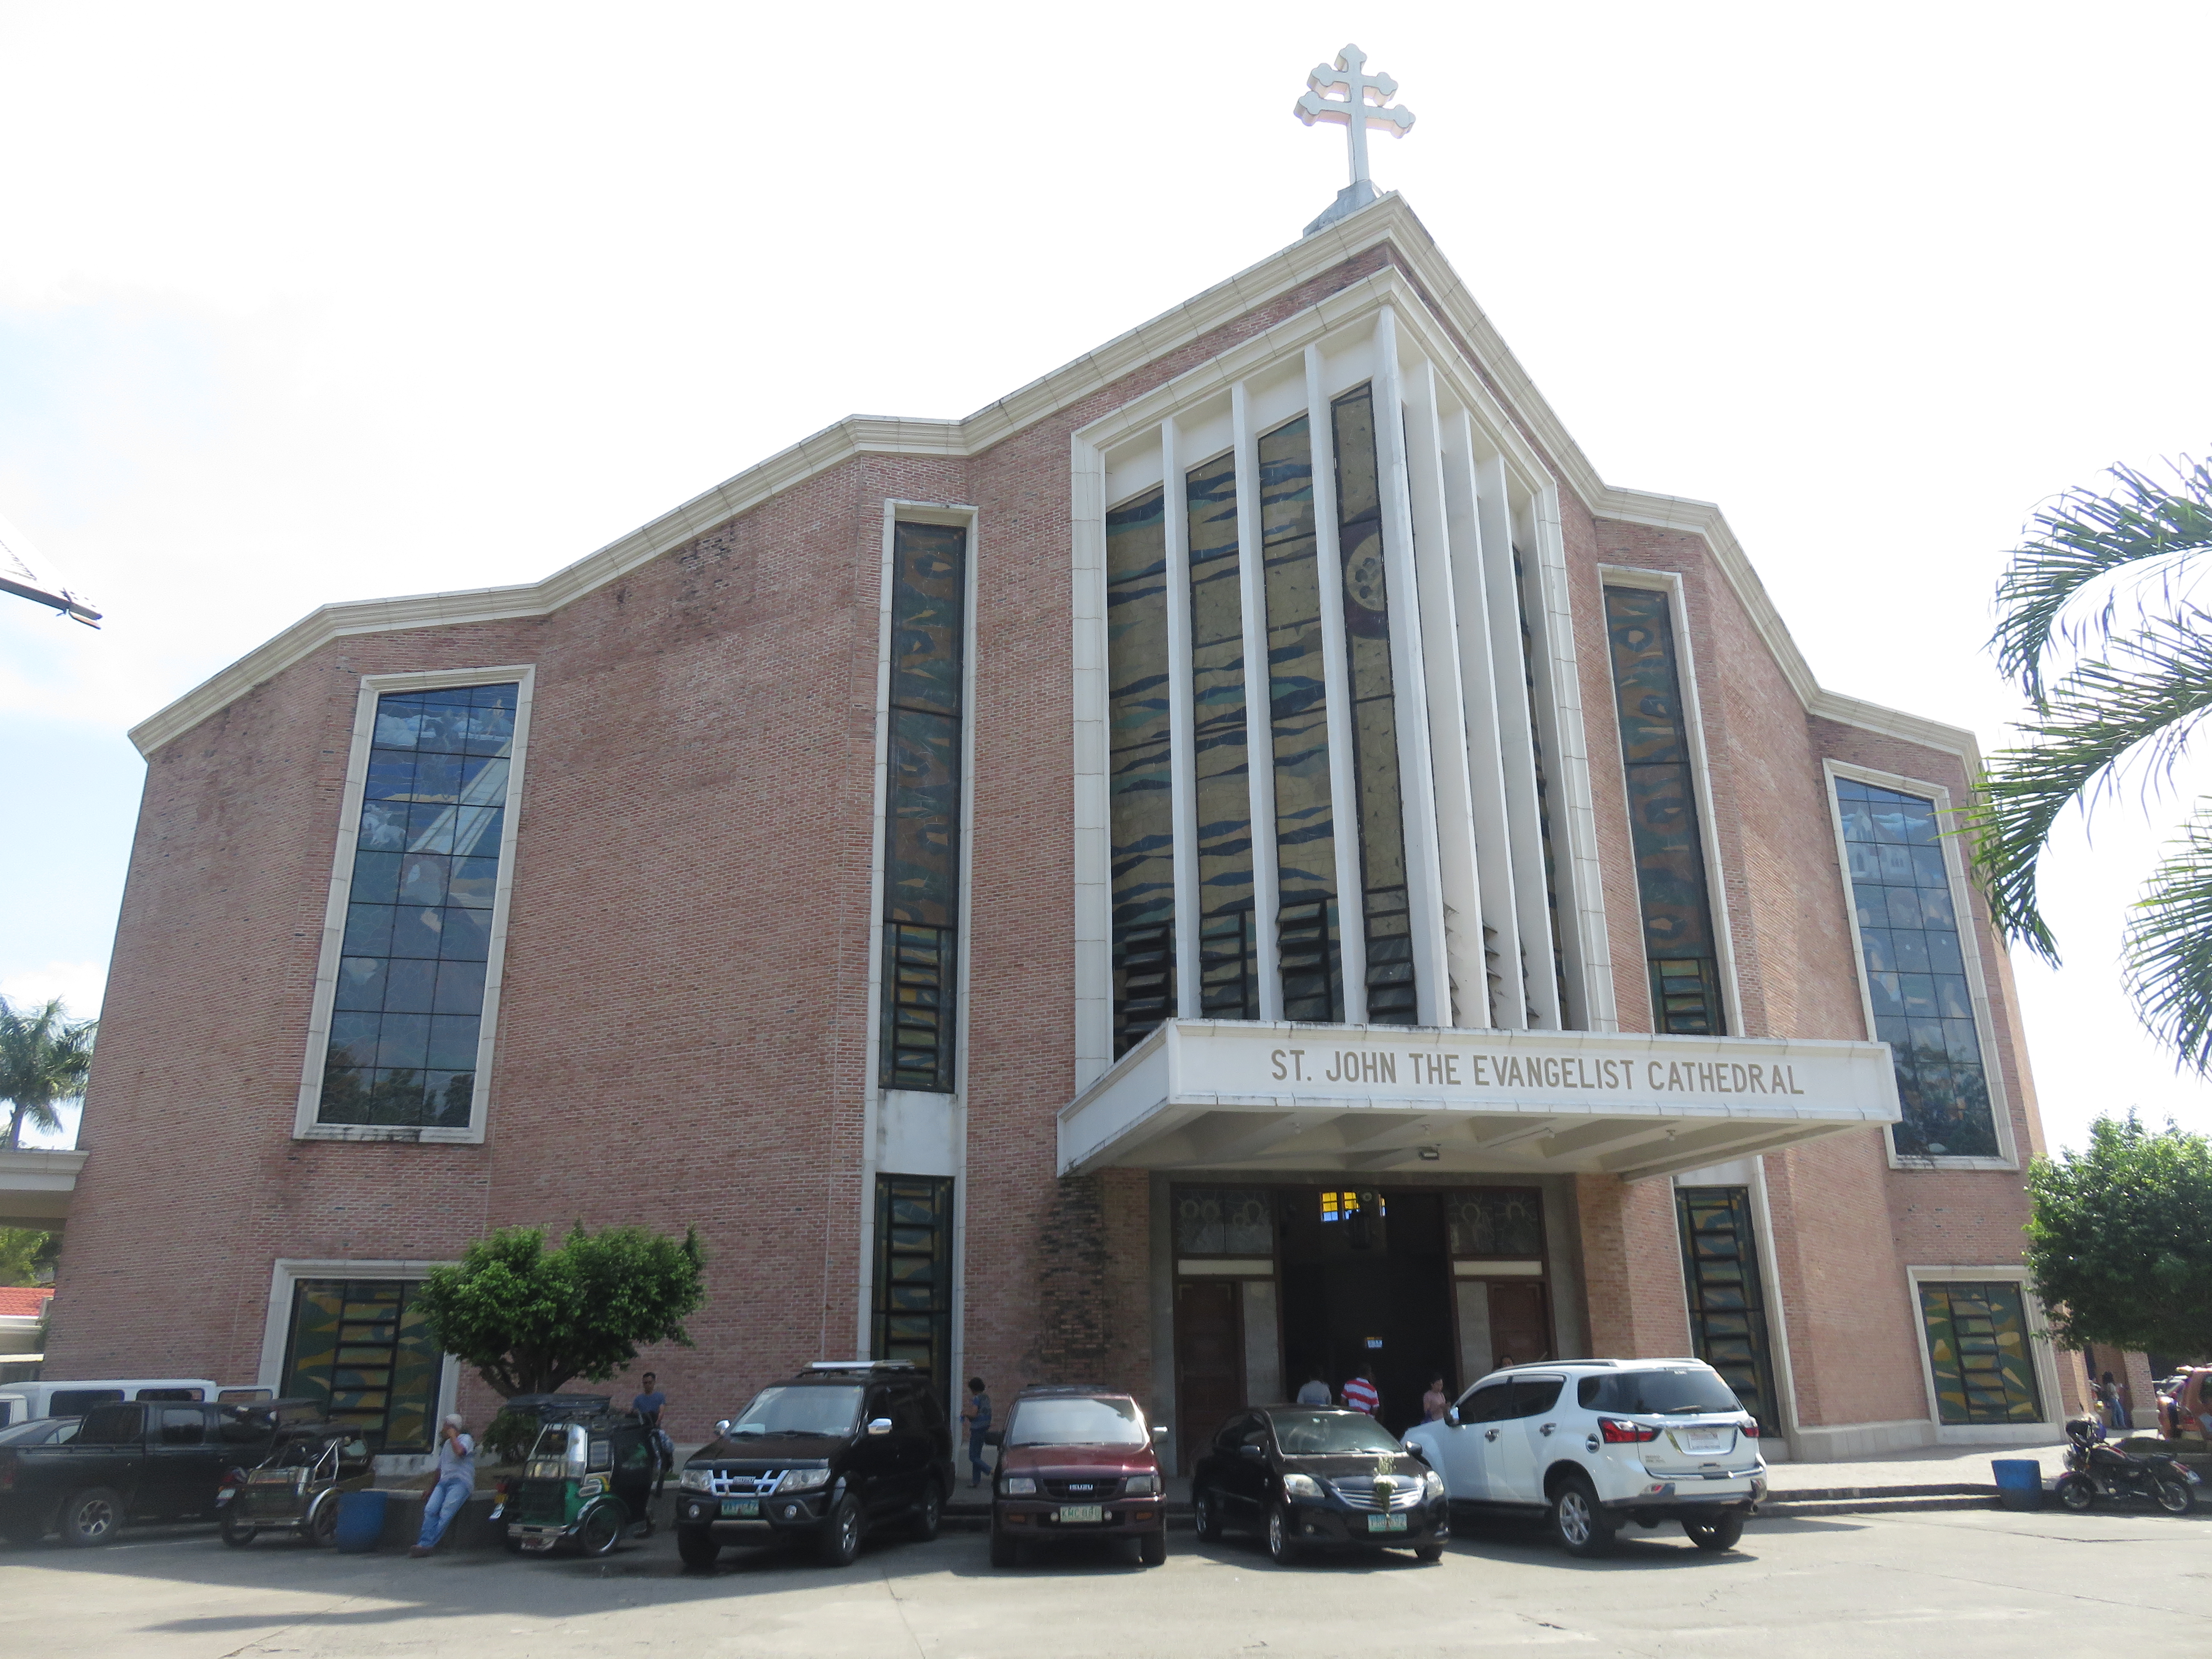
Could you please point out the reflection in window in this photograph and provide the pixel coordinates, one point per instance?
(1977, 1349)
(409, 1008)
(1339, 1206)
(1140, 793)
(1916, 971)
(913, 1312)
(1392, 997)
(1662, 816)
(1543, 796)
(1228, 949)
(1307, 940)
(1223, 1221)
(921, 811)
(363, 1348)
(1507, 1221)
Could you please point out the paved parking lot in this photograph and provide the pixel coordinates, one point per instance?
(1960, 1583)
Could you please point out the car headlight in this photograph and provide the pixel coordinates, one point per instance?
(695, 1480)
(802, 1481)
(1141, 1486)
(1301, 1485)
(1018, 1485)
(1432, 1484)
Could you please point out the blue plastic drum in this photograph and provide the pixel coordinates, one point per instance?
(361, 1520)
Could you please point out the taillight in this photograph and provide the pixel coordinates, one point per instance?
(8, 1473)
(1748, 1429)
(1619, 1432)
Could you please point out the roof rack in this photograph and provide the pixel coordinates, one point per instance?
(864, 1365)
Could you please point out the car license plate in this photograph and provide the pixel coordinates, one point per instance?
(1386, 1524)
(741, 1508)
(1077, 1514)
(1704, 1439)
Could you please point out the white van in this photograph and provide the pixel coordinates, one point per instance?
(20, 1403)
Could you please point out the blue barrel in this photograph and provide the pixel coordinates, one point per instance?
(361, 1520)
(2020, 1482)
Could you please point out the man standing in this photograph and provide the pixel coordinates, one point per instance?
(1361, 1394)
(455, 1486)
(648, 1405)
(977, 1417)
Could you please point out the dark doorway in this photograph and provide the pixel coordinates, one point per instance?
(1366, 1281)
(1209, 1360)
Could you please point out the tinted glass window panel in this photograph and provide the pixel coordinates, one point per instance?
(1915, 960)
(1229, 975)
(1139, 768)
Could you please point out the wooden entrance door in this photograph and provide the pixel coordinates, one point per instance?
(1519, 1331)
(1209, 1362)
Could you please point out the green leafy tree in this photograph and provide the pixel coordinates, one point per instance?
(45, 1058)
(2099, 624)
(2120, 1240)
(27, 1255)
(529, 1319)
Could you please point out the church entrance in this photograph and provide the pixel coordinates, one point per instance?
(1366, 1278)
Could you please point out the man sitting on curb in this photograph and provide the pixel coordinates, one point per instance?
(456, 1484)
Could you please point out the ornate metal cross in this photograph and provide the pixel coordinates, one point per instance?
(1353, 111)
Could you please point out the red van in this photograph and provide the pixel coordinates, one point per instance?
(1076, 1464)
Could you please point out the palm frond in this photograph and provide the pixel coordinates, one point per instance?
(2143, 707)
(2169, 947)
(2082, 538)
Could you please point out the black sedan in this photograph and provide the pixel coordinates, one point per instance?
(1312, 1477)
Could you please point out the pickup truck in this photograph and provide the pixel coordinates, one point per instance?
(131, 1461)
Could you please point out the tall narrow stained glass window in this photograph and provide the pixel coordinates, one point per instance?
(1543, 787)
(363, 1349)
(1916, 971)
(1307, 939)
(1140, 770)
(1727, 1297)
(1978, 1347)
(1662, 816)
(1228, 945)
(407, 1017)
(921, 810)
(1385, 908)
(913, 1313)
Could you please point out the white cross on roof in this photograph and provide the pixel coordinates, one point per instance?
(1350, 72)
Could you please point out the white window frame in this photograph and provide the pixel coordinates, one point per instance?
(2038, 1340)
(305, 1125)
(285, 1272)
(1970, 931)
(1670, 583)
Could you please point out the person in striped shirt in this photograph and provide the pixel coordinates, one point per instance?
(1361, 1394)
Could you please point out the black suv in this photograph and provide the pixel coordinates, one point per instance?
(824, 1458)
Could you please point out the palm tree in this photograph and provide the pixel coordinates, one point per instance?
(45, 1058)
(2098, 623)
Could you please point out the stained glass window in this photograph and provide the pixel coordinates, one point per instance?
(1496, 1221)
(1727, 1299)
(408, 1009)
(1978, 1347)
(1339, 1206)
(921, 813)
(1306, 937)
(1543, 792)
(363, 1348)
(1392, 995)
(1662, 816)
(1225, 1221)
(1141, 770)
(1228, 947)
(913, 1312)
(1914, 951)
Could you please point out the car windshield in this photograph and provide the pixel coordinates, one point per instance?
(791, 1411)
(1076, 1423)
(1659, 1394)
(1327, 1434)
(39, 1431)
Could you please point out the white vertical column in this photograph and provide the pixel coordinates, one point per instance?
(1094, 817)
(1479, 689)
(1259, 726)
(1336, 672)
(1416, 792)
(1516, 744)
(1457, 856)
(1183, 799)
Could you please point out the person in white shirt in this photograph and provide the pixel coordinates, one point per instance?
(1315, 1392)
(456, 1484)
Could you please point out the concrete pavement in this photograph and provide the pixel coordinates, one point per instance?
(1963, 1584)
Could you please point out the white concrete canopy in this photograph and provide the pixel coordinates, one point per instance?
(36, 1185)
(1362, 1099)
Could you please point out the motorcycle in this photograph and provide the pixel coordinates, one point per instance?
(2094, 1471)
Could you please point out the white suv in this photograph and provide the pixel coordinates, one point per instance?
(1592, 1442)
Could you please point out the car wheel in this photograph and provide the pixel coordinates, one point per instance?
(2175, 1498)
(931, 1515)
(1153, 1549)
(601, 1531)
(91, 1517)
(238, 1533)
(1003, 1553)
(1282, 1540)
(839, 1546)
(1577, 1521)
(1205, 1516)
(1428, 1552)
(696, 1547)
(2077, 1492)
(322, 1528)
(1717, 1534)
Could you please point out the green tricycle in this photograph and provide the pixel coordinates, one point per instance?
(588, 1479)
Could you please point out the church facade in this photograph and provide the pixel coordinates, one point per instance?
(1243, 861)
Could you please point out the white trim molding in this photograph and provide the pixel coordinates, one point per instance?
(2040, 1353)
(306, 1125)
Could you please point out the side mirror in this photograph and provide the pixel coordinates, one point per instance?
(995, 1436)
(1159, 1430)
(1452, 1417)
(879, 1425)
(722, 1427)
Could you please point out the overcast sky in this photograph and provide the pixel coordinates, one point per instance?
(300, 304)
